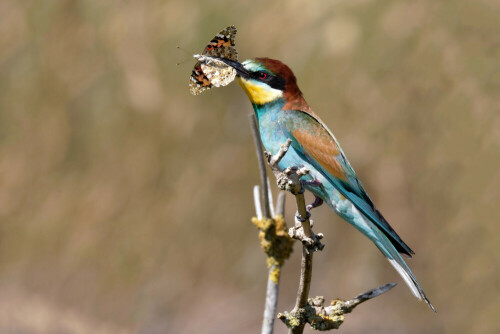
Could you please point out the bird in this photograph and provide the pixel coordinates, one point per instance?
(283, 114)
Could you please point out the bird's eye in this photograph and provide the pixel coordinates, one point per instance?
(262, 75)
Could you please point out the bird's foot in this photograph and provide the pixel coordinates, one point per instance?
(317, 202)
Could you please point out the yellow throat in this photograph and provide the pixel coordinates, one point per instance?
(259, 93)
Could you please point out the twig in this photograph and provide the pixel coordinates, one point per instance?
(330, 317)
(280, 204)
(274, 240)
(256, 201)
(271, 303)
(351, 304)
(262, 165)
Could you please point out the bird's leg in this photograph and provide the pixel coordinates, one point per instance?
(312, 183)
(317, 202)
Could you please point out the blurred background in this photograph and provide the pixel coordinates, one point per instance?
(125, 202)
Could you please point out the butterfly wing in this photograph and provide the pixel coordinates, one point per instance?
(205, 76)
(218, 73)
(222, 45)
(198, 82)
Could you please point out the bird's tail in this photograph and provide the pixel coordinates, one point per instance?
(404, 271)
(369, 229)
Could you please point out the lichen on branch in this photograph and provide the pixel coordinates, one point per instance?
(330, 317)
(275, 242)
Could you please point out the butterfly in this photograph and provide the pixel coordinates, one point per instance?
(209, 72)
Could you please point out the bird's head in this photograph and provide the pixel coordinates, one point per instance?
(266, 80)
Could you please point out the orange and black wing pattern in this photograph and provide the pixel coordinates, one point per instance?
(221, 46)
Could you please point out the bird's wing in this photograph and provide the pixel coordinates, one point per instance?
(312, 138)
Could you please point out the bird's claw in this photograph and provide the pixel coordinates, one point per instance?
(312, 183)
(317, 202)
(302, 171)
(302, 220)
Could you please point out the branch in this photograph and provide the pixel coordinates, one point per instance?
(330, 317)
(310, 310)
(289, 179)
(280, 204)
(262, 165)
(274, 240)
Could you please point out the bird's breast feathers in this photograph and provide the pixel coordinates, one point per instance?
(259, 93)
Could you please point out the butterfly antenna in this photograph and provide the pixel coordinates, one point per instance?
(182, 62)
(178, 47)
(183, 50)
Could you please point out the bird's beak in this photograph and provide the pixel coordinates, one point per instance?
(240, 70)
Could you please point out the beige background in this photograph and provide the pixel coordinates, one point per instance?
(125, 202)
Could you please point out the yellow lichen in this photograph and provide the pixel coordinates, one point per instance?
(323, 322)
(293, 322)
(274, 275)
(275, 242)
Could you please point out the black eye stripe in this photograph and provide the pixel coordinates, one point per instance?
(270, 79)
(277, 83)
(258, 75)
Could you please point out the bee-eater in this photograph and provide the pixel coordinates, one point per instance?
(283, 113)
